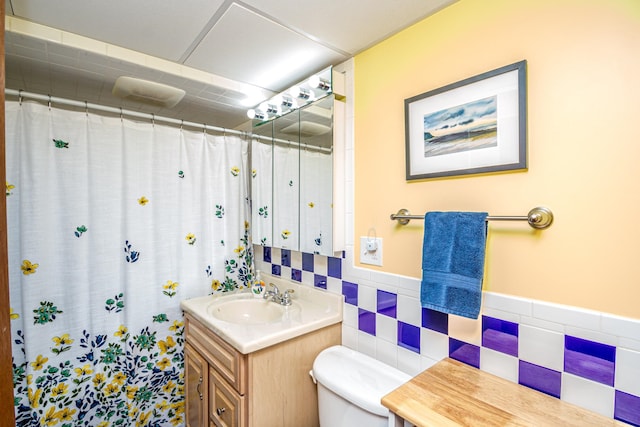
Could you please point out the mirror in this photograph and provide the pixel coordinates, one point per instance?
(316, 177)
(262, 184)
(293, 179)
(286, 181)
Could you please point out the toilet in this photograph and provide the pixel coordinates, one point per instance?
(350, 386)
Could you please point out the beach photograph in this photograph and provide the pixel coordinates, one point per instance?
(470, 126)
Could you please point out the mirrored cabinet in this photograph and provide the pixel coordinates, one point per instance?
(297, 169)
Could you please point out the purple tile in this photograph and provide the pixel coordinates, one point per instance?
(307, 262)
(296, 275)
(500, 335)
(627, 408)
(350, 292)
(387, 303)
(334, 267)
(286, 257)
(409, 336)
(435, 320)
(320, 281)
(266, 254)
(540, 378)
(589, 359)
(367, 321)
(275, 269)
(464, 352)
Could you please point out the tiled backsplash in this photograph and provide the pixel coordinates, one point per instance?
(587, 358)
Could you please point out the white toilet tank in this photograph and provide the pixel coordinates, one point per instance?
(350, 386)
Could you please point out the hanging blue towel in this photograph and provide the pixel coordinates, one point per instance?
(453, 262)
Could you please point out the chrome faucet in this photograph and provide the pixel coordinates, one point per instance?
(275, 295)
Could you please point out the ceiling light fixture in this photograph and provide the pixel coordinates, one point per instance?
(316, 82)
(297, 96)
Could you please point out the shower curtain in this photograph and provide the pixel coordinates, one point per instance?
(111, 222)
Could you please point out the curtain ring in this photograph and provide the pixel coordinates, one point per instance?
(204, 128)
(153, 120)
(20, 97)
(86, 108)
(181, 124)
(121, 115)
(49, 103)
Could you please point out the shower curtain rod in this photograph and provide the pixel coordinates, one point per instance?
(87, 105)
(300, 145)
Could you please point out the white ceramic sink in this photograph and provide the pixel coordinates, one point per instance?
(250, 323)
(248, 310)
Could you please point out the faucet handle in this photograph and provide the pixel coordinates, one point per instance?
(275, 288)
(286, 297)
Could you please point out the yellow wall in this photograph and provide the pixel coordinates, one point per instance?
(583, 145)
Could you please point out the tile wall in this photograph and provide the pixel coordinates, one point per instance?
(587, 358)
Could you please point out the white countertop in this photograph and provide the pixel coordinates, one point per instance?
(311, 310)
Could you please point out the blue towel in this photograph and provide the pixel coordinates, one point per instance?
(453, 262)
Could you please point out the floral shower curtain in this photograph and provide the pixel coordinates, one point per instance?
(112, 222)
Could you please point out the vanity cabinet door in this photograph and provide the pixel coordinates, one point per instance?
(227, 408)
(196, 380)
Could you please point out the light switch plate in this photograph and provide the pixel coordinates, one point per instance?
(371, 250)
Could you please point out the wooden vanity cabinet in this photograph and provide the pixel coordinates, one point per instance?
(270, 387)
(196, 381)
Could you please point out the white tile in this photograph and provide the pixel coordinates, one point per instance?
(434, 345)
(354, 274)
(566, 315)
(409, 286)
(499, 364)
(276, 256)
(628, 371)
(385, 280)
(387, 328)
(367, 298)
(367, 344)
(334, 285)
(387, 352)
(510, 304)
(630, 344)
(587, 394)
(621, 326)
(465, 329)
(258, 251)
(409, 362)
(409, 310)
(349, 337)
(285, 272)
(307, 278)
(542, 324)
(541, 347)
(320, 265)
(427, 362)
(350, 315)
(296, 260)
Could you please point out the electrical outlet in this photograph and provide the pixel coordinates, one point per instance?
(371, 250)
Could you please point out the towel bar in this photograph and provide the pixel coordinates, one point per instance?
(539, 217)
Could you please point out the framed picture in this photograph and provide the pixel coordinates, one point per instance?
(476, 125)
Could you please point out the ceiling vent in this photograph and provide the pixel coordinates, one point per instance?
(147, 92)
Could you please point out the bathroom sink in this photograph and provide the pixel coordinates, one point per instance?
(247, 311)
(250, 323)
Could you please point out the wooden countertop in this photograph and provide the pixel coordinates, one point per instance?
(451, 393)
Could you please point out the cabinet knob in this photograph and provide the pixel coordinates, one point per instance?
(220, 411)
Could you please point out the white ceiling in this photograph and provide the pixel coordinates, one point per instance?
(260, 45)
